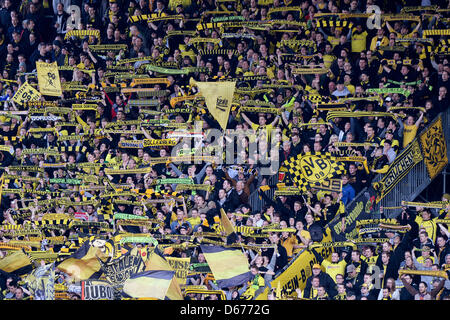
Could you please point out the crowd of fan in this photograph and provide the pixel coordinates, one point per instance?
(355, 64)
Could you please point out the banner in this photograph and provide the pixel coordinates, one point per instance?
(312, 168)
(434, 148)
(119, 270)
(358, 209)
(181, 268)
(96, 290)
(26, 93)
(175, 100)
(430, 273)
(146, 143)
(398, 169)
(48, 79)
(218, 98)
(295, 274)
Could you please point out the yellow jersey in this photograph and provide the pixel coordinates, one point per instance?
(333, 269)
(429, 226)
(359, 42)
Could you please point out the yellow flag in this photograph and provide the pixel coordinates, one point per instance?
(154, 284)
(156, 262)
(83, 263)
(226, 223)
(26, 93)
(14, 261)
(174, 291)
(48, 79)
(229, 266)
(218, 97)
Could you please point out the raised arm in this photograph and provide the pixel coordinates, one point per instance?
(275, 121)
(419, 120)
(246, 119)
(199, 176)
(174, 168)
(436, 290)
(444, 230)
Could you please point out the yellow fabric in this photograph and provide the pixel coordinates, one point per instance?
(371, 261)
(48, 79)
(428, 225)
(409, 133)
(359, 41)
(289, 243)
(194, 221)
(82, 269)
(14, 261)
(156, 262)
(225, 222)
(146, 287)
(383, 42)
(422, 259)
(218, 98)
(227, 264)
(257, 128)
(333, 41)
(333, 269)
(328, 60)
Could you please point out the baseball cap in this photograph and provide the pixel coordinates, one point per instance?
(184, 226)
(316, 266)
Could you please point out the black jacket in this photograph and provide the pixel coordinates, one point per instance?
(324, 280)
(405, 295)
(233, 199)
(277, 205)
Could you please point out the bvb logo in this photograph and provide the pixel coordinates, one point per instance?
(315, 168)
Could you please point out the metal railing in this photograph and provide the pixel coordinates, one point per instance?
(407, 189)
(446, 127)
(415, 181)
(255, 202)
